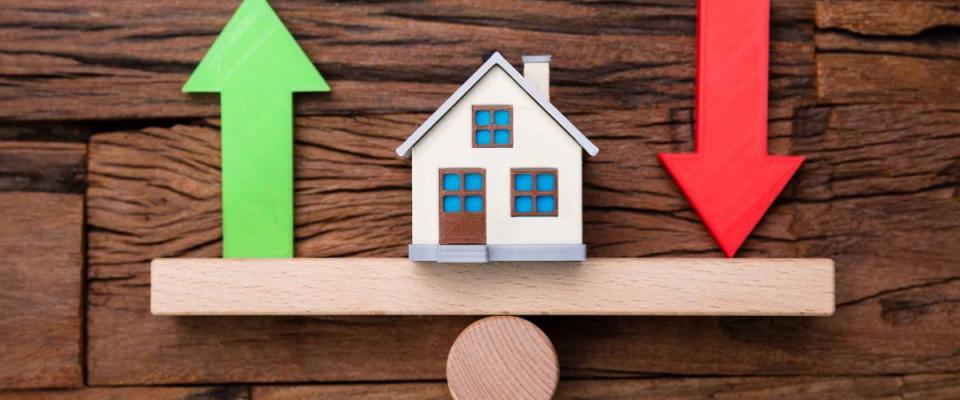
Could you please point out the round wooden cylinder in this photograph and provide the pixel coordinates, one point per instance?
(502, 358)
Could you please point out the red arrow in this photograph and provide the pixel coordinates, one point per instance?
(731, 180)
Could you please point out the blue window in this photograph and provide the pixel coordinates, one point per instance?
(451, 182)
(534, 192)
(461, 190)
(492, 126)
(546, 182)
(474, 204)
(502, 117)
(523, 204)
(546, 204)
(523, 182)
(451, 204)
(474, 182)
(483, 137)
(483, 117)
(501, 136)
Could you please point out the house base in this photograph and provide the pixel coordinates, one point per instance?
(497, 252)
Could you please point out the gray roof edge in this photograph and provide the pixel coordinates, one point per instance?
(497, 59)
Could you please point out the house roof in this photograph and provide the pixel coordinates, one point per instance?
(497, 60)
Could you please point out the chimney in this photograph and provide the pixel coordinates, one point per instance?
(537, 71)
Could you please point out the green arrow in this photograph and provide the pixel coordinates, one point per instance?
(256, 66)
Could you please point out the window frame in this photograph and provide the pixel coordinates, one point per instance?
(463, 193)
(534, 192)
(493, 127)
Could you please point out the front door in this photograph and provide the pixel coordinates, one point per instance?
(463, 206)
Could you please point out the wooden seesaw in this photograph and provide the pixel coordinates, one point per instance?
(492, 357)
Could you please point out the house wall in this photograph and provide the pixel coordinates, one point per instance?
(539, 142)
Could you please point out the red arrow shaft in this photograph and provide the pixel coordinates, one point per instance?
(733, 39)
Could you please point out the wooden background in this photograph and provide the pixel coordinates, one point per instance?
(105, 165)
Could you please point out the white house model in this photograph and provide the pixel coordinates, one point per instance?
(497, 172)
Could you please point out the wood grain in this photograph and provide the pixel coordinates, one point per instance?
(888, 51)
(878, 194)
(41, 238)
(145, 393)
(396, 286)
(43, 167)
(931, 387)
(376, 391)
(504, 358)
(887, 17)
(121, 60)
(878, 78)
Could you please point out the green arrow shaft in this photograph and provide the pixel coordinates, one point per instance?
(257, 177)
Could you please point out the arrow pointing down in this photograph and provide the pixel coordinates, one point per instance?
(730, 180)
(256, 65)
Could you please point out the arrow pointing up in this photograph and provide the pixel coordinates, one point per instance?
(256, 65)
(731, 181)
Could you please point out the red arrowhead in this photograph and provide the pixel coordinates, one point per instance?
(730, 195)
(730, 180)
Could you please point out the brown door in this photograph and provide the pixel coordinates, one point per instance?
(463, 206)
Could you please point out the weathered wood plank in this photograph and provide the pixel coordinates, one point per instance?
(134, 393)
(919, 61)
(43, 167)
(41, 238)
(130, 60)
(385, 391)
(878, 195)
(887, 17)
(932, 387)
(881, 78)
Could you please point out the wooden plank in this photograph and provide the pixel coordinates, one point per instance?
(882, 78)
(941, 386)
(374, 391)
(41, 238)
(877, 195)
(43, 167)
(131, 61)
(134, 393)
(887, 17)
(392, 286)
(887, 51)
(878, 168)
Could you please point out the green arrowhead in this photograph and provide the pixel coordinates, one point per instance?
(254, 49)
(256, 65)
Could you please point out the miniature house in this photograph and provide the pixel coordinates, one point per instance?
(497, 172)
